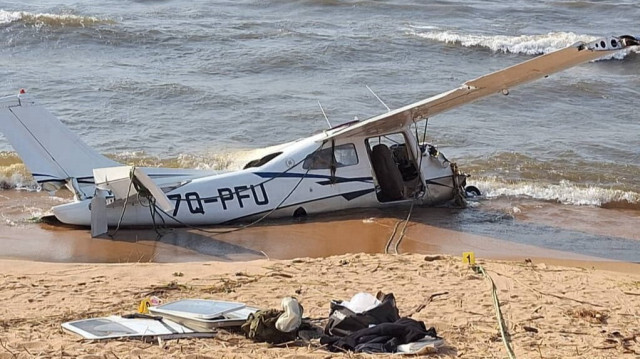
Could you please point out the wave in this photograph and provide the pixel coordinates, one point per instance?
(51, 20)
(150, 89)
(15, 175)
(219, 161)
(522, 44)
(564, 192)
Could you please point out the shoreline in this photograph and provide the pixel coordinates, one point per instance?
(493, 229)
(577, 312)
(322, 236)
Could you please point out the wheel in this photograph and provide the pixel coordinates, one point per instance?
(299, 213)
(472, 191)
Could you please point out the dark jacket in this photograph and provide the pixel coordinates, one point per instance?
(382, 338)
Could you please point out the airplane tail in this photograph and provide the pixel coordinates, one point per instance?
(53, 154)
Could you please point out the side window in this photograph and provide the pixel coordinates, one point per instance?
(343, 155)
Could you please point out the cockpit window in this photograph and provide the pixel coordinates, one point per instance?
(343, 155)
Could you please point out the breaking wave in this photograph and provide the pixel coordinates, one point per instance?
(51, 20)
(16, 177)
(14, 174)
(522, 44)
(219, 161)
(564, 192)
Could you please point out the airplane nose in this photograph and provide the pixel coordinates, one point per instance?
(628, 40)
(614, 43)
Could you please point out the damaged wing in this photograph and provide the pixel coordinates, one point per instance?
(497, 82)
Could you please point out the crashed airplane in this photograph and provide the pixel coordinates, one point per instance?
(370, 163)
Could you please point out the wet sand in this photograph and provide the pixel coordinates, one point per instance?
(494, 229)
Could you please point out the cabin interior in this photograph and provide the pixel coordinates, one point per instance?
(394, 166)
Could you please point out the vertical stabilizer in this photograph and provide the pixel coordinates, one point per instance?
(51, 152)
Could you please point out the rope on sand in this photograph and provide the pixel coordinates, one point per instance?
(496, 305)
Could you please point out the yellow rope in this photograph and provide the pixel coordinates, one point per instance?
(496, 306)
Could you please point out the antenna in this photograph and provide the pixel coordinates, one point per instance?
(324, 114)
(382, 102)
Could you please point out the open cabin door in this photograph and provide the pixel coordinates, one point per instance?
(394, 166)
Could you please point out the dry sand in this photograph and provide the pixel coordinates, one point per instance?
(550, 311)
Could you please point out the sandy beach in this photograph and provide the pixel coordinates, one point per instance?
(556, 303)
(220, 85)
(550, 311)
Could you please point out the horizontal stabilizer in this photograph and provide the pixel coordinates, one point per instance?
(127, 181)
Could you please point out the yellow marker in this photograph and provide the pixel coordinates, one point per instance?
(469, 258)
(144, 306)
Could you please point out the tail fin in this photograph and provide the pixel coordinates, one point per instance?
(50, 151)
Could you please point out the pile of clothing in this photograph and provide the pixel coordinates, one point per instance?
(369, 324)
(275, 326)
(365, 324)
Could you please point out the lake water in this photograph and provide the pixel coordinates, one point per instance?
(203, 83)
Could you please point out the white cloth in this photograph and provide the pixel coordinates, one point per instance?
(426, 345)
(291, 319)
(361, 302)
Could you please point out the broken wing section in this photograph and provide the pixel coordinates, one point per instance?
(52, 153)
(121, 184)
(496, 82)
(128, 181)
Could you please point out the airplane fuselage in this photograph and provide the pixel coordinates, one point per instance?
(294, 182)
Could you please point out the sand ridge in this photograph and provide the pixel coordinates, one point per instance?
(550, 311)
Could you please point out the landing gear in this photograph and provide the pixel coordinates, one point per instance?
(472, 191)
(300, 212)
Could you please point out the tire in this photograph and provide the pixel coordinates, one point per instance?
(472, 191)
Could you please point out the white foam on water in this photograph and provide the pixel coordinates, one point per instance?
(43, 19)
(9, 16)
(18, 181)
(521, 44)
(231, 160)
(15, 176)
(563, 192)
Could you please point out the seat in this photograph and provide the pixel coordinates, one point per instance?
(387, 174)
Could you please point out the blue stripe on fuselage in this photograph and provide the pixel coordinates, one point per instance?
(330, 179)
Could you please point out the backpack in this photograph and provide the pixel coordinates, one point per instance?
(261, 327)
(343, 321)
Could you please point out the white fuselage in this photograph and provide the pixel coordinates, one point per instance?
(286, 185)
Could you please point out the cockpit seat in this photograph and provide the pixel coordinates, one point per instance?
(387, 174)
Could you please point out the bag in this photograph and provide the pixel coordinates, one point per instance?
(343, 321)
(261, 327)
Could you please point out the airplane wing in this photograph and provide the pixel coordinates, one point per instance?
(497, 82)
